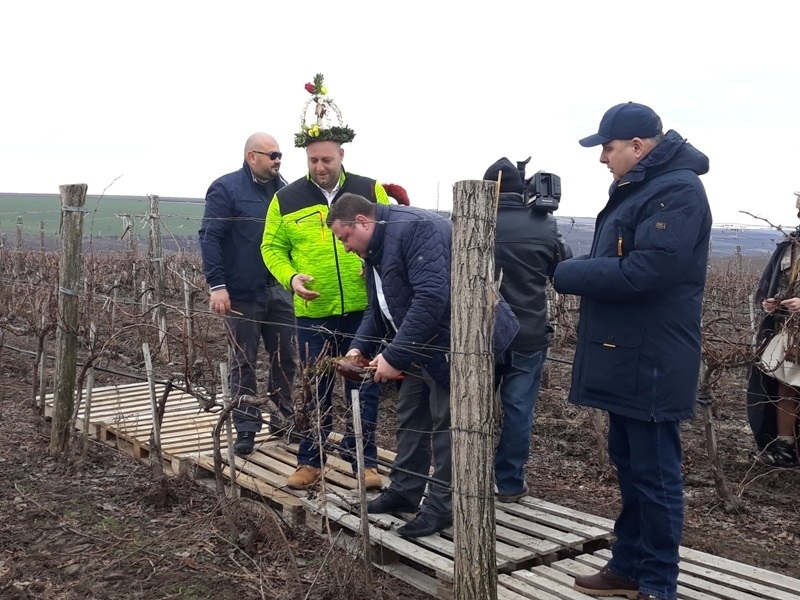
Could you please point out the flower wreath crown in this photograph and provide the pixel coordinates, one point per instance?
(321, 128)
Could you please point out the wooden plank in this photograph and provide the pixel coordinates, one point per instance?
(106, 389)
(727, 580)
(507, 558)
(527, 588)
(774, 580)
(587, 532)
(504, 593)
(383, 454)
(442, 566)
(563, 511)
(547, 577)
(569, 540)
(539, 546)
(412, 576)
(690, 586)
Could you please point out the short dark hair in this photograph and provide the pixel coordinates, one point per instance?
(348, 206)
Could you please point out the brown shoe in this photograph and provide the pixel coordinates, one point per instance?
(605, 583)
(372, 481)
(304, 477)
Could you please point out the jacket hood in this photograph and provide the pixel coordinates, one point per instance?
(674, 153)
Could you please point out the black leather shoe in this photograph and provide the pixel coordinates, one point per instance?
(390, 501)
(244, 443)
(425, 524)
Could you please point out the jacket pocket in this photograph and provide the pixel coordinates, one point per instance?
(611, 360)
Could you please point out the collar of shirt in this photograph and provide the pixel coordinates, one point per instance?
(328, 195)
(257, 180)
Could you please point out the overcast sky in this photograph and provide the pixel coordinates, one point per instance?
(158, 97)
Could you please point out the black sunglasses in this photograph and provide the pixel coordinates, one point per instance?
(272, 155)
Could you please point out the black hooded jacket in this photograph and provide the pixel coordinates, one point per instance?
(527, 248)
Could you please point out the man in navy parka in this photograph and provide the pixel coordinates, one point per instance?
(638, 351)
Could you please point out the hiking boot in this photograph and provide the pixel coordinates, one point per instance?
(508, 498)
(605, 583)
(372, 481)
(304, 477)
(244, 443)
(390, 501)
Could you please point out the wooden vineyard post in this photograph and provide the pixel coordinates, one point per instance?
(157, 278)
(235, 492)
(188, 330)
(20, 247)
(362, 489)
(155, 449)
(87, 406)
(474, 295)
(73, 198)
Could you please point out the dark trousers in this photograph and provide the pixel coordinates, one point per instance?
(650, 524)
(329, 337)
(423, 438)
(272, 323)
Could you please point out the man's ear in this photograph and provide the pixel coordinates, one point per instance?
(639, 147)
(362, 219)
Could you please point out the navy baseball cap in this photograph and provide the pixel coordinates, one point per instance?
(625, 122)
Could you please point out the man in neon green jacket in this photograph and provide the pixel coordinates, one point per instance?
(329, 291)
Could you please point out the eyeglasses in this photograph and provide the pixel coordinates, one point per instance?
(272, 155)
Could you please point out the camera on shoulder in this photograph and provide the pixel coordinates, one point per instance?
(542, 190)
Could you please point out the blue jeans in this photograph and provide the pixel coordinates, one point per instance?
(273, 324)
(332, 335)
(650, 524)
(519, 377)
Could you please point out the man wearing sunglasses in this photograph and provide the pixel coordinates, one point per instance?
(256, 307)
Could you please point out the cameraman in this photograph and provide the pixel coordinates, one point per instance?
(527, 248)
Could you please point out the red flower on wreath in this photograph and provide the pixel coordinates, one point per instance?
(309, 88)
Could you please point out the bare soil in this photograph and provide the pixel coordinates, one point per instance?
(103, 527)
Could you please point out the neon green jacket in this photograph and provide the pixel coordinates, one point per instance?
(297, 240)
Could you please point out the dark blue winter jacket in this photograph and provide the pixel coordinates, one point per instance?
(411, 251)
(638, 351)
(231, 234)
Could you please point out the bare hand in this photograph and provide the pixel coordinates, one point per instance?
(792, 304)
(383, 370)
(299, 287)
(220, 301)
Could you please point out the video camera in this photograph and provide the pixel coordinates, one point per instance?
(543, 190)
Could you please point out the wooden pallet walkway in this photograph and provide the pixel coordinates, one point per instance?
(702, 577)
(540, 546)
